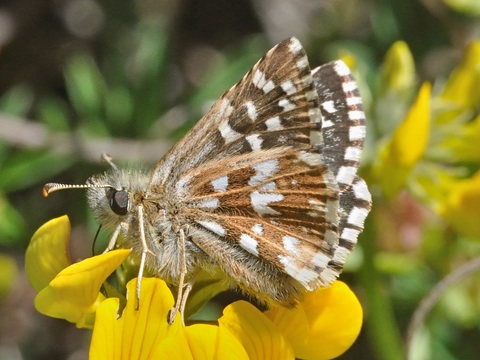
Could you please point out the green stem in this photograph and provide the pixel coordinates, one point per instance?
(383, 332)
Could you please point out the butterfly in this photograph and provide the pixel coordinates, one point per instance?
(264, 187)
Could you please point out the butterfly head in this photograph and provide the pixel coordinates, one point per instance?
(111, 194)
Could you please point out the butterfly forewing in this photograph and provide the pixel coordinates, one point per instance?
(275, 97)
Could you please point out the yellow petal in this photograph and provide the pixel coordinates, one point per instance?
(462, 206)
(406, 147)
(334, 317)
(47, 253)
(293, 324)
(411, 137)
(462, 86)
(398, 69)
(463, 141)
(213, 342)
(137, 333)
(257, 334)
(74, 292)
(174, 347)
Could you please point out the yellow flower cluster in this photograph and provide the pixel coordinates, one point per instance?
(433, 151)
(322, 326)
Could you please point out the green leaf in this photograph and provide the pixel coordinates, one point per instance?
(26, 168)
(17, 101)
(12, 225)
(85, 85)
(54, 113)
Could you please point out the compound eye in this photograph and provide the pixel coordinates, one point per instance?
(118, 201)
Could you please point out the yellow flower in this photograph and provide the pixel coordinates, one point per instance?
(67, 291)
(462, 88)
(322, 326)
(462, 206)
(398, 70)
(145, 333)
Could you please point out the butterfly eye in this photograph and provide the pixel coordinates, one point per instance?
(118, 201)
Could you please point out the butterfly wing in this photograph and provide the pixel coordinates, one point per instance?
(259, 190)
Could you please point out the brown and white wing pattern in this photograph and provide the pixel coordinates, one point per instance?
(267, 178)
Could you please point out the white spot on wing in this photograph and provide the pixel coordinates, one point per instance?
(356, 115)
(262, 83)
(251, 110)
(288, 87)
(220, 184)
(329, 106)
(264, 170)
(295, 46)
(340, 255)
(227, 132)
(211, 203)
(341, 69)
(249, 244)
(353, 153)
(286, 105)
(255, 142)
(258, 229)
(302, 275)
(357, 216)
(261, 202)
(213, 227)
(346, 174)
(350, 235)
(320, 259)
(361, 191)
(327, 124)
(274, 124)
(357, 132)
(291, 244)
(353, 100)
(349, 86)
(302, 63)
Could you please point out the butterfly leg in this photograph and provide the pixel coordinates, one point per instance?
(113, 238)
(181, 281)
(145, 251)
(186, 292)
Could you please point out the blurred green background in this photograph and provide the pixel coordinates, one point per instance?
(83, 77)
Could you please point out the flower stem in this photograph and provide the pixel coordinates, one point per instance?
(385, 337)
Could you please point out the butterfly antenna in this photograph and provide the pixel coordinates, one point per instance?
(51, 187)
(109, 160)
